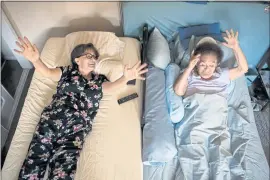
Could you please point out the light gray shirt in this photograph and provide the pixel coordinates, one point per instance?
(216, 85)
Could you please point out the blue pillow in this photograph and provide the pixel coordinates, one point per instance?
(218, 37)
(174, 102)
(198, 30)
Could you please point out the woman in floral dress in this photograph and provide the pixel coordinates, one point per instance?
(68, 119)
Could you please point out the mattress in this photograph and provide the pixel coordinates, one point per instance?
(112, 151)
(241, 125)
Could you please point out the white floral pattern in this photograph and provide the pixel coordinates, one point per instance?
(63, 125)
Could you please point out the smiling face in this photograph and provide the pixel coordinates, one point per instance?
(84, 57)
(87, 61)
(207, 65)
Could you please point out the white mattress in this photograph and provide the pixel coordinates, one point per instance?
(112, 151)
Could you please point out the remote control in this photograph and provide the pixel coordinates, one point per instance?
(127, 98)
(131, 82)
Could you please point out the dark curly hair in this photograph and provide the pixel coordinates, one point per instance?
(79, 50)
(209, 48)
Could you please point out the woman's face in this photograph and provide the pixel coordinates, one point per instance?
(87, 62)
(207, 65)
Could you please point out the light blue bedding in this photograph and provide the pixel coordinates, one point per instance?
(158, 132)
(248, 162)
(217, 139)
(248, 18)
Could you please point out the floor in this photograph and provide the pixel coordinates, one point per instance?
(10, 76)
(262, 120)
(10, 81)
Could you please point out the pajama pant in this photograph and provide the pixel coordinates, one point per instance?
(56, 143)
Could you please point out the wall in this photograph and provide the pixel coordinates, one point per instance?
(6, 51)
(249, 18)
(41, 20)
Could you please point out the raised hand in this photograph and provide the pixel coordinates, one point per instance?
(135, 72)
(231, 40)
(193, 61)
(27, 50)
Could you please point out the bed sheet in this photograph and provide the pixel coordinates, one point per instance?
(113, 148)
(248, 18)
(241, 123)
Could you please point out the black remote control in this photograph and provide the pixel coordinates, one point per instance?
(131, 82)
(127, 98)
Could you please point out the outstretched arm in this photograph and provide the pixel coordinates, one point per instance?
(242, 66)
(31, 53)
(129, 74)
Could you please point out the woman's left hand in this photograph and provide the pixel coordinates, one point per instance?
(231, 40)
(135, 72)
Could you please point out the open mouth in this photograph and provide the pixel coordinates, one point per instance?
(91, 65)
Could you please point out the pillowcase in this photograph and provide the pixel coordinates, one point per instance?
(174, 102)
(54, 57)
(198, 30)
(108, 45)
(158, 132)
(158, 52)
(181, 53)
(112, 69)
(218, 37)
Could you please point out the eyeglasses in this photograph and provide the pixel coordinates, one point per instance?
(90, 56)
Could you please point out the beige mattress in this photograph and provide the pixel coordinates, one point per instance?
(112, 150)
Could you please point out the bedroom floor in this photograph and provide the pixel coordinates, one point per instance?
(263, 126)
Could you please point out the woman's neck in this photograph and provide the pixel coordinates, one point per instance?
(86, 75)
(206, 79)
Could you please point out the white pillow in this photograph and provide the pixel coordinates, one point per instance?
(158, 52)
(108, 45)
(53, 55)
(112, 69)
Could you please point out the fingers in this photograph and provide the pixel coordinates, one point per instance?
(196, 60)
(19, 45)
(236, 35)
(19, 52)
(142, 66)
(137, 65)
(225, 45)
(141, 78)
(226, 39)
(143, 71)
(35, 48)
(232, 33)
(198, 56)
(28, 43)
(22, 43)
(228, 34)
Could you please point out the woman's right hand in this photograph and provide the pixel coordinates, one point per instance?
(27, 50)
(193, 61)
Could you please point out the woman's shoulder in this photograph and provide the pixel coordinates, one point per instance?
(101, 78)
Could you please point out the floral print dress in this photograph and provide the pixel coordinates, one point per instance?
(63, 126)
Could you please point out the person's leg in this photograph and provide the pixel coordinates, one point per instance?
(174, 102)
(64, 162)
(39, 152)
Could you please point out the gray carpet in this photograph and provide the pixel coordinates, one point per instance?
(262, 120)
